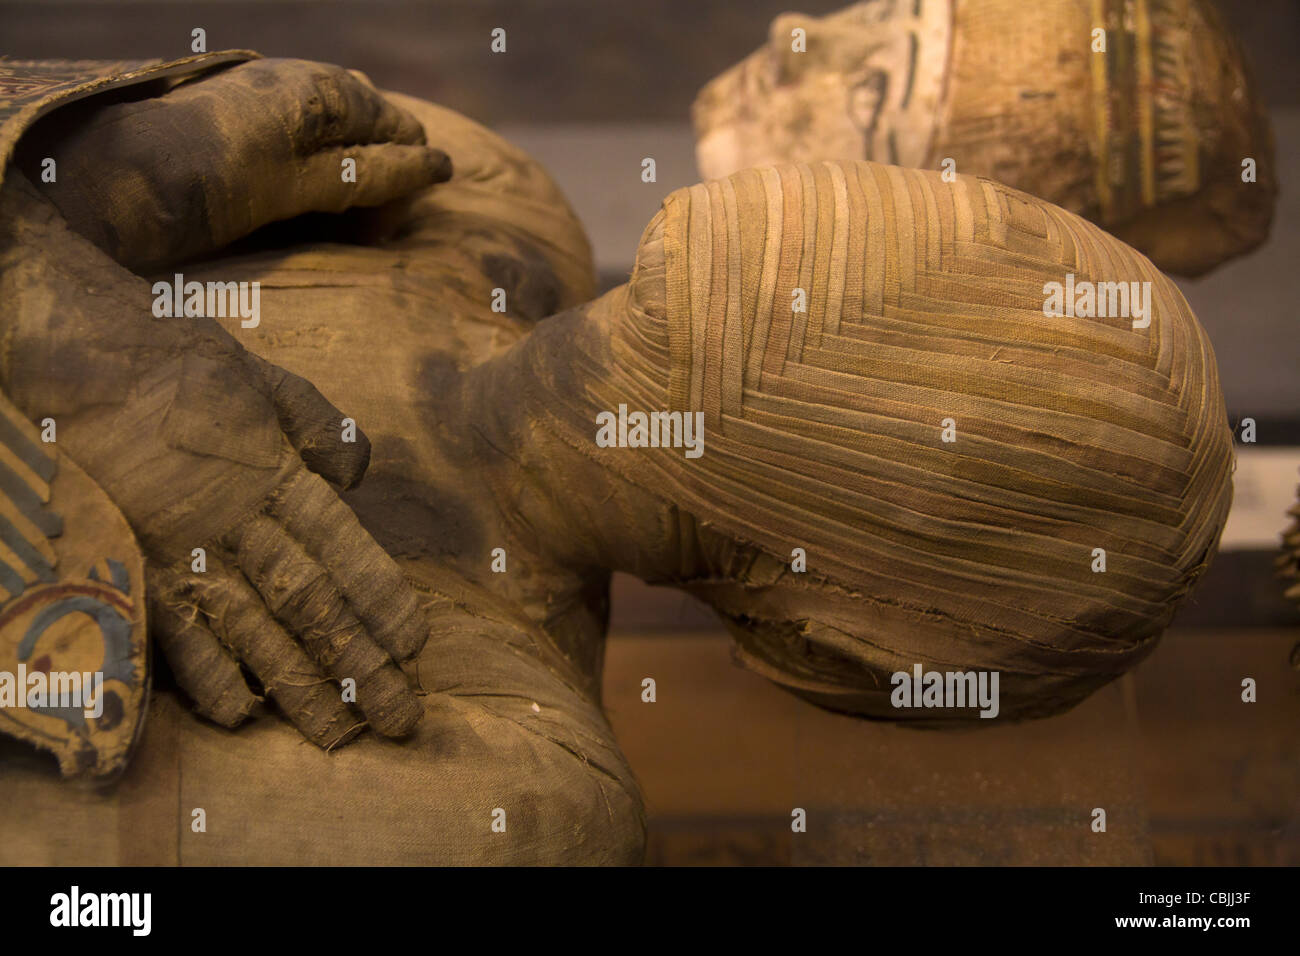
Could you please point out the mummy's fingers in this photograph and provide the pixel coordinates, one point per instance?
(367, 576)
(301, 595)
(239, 618)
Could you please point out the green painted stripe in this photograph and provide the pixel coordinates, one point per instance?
(10, 580)
(29, 453)
(29, 503)
(23, 548)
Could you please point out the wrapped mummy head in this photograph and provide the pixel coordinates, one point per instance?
(975, 484)
(1150, 128)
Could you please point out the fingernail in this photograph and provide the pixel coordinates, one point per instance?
(439, 165)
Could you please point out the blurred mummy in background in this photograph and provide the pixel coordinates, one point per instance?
(1138, 116)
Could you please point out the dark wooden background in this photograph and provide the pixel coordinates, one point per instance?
(569, 60)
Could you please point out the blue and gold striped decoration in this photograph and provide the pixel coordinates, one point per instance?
(26, 520)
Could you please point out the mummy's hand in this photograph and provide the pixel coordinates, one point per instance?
(174, 176)
(206, 449)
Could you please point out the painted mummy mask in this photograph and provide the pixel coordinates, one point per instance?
(1153, 136)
